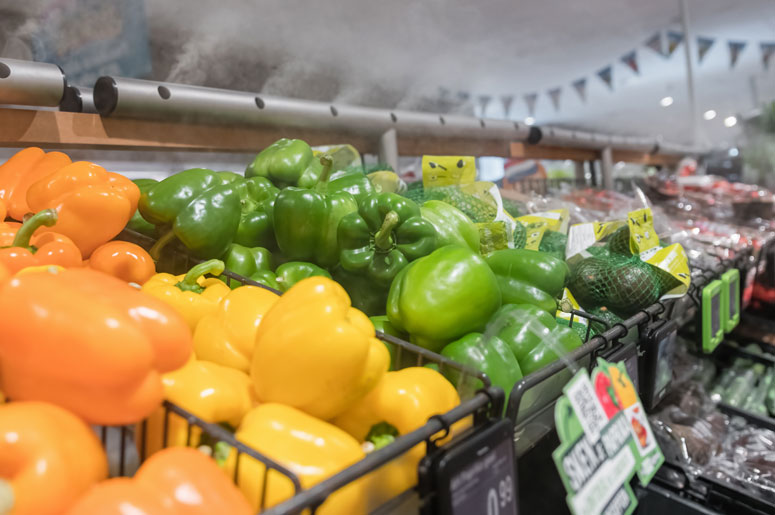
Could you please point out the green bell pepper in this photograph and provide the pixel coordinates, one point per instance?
(452, 226)
(137, 223)
(384, 235)
(246, 262)
(533, 335)
(257, 196)
(227, 177)
(286, 162)
(489, 355)
(353, 182)
(364, 294)
(292, 272)
(443, 296)
(306, 221)
(529, 277)
(196, 207)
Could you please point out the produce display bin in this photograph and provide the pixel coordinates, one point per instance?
(484, 406)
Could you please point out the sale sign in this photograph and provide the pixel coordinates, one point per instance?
(605, 439)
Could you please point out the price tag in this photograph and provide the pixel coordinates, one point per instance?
(474, 475)
(730, 297)
(605, 440)
(657, 362)
(711, 322)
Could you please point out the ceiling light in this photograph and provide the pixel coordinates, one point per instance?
(730, 121)
(709, 114)
(530, 120)
(666, 102)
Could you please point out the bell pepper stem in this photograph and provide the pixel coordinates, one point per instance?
(382, 237)
(328, 164)
(47, 217)
(6, 497)
(162, 242)
(381, 434)
(189, 282)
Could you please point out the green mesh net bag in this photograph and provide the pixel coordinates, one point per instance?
(476, 209)
(511, 207)
(553, 243)
(623, 284)
(520, 236)
(605, 314)
(619, 241)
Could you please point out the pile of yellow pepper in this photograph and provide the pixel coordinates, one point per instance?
(300, 378)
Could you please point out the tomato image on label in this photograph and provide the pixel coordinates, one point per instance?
(607, 395)
(640, 430)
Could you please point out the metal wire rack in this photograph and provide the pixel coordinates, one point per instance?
(482, 405)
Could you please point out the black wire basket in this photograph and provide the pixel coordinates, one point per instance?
(482, 406)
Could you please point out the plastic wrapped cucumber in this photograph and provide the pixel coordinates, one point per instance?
(755, 403)
(740, 388)
(721, 385)
(770, 400)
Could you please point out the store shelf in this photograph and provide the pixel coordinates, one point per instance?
(54, 129)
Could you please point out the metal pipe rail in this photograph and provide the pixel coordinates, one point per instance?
(42, 84)
(134, 98)
(31, 83)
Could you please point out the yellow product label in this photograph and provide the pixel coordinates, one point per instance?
(555, 220)
(535, 233)
(488, 192)
(643, 237)
(672, 259)
(584, 235)
(538, 223)
(448, 170)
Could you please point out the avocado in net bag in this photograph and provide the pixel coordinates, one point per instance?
(553, 243)
(616, 279)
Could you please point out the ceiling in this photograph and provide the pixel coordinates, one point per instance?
(402, 54)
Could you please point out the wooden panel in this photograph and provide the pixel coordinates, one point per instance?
(419, 145)
(528, 151)
(54, 129)
(644, 158)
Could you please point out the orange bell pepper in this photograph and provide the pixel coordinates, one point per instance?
(88, 342)
(16, 199)
(16, 167)
(125, 260)
(48, 458)
(93, 204)
(20, 249)
(3, 211)
(175, 481)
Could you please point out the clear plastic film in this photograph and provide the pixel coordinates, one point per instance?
(693, 433)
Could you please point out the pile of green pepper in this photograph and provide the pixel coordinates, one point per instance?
(416, 269)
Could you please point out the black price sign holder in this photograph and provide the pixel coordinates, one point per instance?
(656, 366)
(712, 324)
(476, 475)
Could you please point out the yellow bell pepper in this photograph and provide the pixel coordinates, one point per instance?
(400, 403)
(309, 447)
(623, 387)
(228, 334)
(191, 294)
(316, 353)
(212, 392)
